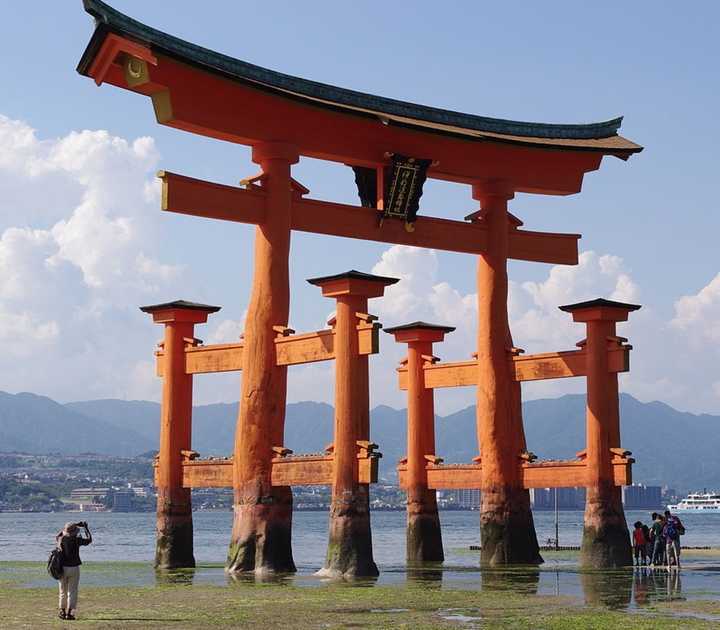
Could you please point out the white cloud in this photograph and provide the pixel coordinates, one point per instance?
(227, 330)
(537, 323)
(698, 316)
(77, 253)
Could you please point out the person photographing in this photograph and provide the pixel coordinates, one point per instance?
(69, 542)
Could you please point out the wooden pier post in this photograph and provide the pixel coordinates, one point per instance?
(262, 524)
(606, 540)
(349, 551)
(506, 524)
(423, 534)
(174, 537)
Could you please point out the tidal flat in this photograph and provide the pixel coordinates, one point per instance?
(131, 594)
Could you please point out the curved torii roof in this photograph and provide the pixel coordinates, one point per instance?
(183, 57)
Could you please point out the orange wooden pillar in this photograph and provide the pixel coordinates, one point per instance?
(423, 534)
(261, 534)
(350, 540)
(606, 540)
(174, 543)
(506, 524)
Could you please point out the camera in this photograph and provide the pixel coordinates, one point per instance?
(81, 524)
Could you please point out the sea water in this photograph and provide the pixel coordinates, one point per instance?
(131, 536)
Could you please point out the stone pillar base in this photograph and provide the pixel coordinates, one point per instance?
(349, 551)
(606, 539)
(507, 529)
(424, 536)
(174, 531)
(262, 534)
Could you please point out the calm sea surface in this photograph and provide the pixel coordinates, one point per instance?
(131, 536)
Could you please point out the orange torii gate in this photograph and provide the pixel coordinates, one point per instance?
(391, 146)
(603, 467)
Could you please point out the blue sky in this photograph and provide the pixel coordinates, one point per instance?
(653, 62)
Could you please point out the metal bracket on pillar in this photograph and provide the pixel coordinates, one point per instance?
(283, 331)
(429, 359)
(366, 449)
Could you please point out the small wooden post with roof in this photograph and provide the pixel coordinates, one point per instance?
(424, 538)
(174, 543)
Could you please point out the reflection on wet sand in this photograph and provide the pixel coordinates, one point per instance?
(619, 588)
(611, 589)
(173, 577)
(250, 578)
(656, 585)
(519, 580)
(429, 574)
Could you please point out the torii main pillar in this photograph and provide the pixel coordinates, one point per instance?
(506, 523)
(261, 534)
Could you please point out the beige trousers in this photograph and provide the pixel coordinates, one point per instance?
(68, 584)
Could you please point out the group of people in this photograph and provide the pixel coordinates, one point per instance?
(658, 544)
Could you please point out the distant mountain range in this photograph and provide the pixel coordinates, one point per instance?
(671, 447)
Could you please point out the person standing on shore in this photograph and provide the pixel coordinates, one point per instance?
(658, 542)
(639, 544)
(679, 527)
(69, 541)
(672, 543)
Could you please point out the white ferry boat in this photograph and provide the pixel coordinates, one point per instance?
(698, 502)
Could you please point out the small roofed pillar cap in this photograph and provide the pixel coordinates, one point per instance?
(419, 331)
(353, 283)
(180, 311)
(600, 309)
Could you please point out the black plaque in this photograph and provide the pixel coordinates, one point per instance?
(405, 187)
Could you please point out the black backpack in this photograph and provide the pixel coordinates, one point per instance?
(55, 563)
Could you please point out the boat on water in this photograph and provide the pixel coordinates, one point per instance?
(698, 502)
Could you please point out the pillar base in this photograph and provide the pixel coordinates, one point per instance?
(423, 536)
(174, 532)
(262, 534)
(507, 529)
(606, 539)
(349, 551)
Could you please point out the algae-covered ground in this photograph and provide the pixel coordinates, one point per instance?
(185, 600)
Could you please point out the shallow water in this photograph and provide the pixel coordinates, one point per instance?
(123, 549)
(131, 536)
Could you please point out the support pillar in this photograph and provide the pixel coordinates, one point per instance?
(174, 537)
(506, 524)
(423, 534)
(606, 539)
(262, 522)
(349, 551)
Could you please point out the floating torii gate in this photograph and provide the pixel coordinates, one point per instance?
(283, 118)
